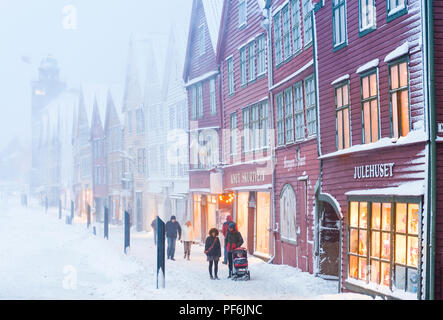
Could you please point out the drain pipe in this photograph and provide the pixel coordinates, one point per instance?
(268, 28)
(432, 162)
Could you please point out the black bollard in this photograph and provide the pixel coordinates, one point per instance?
(127, 231)
(160, 253)
(106, 224)
(88, 216)
(59, 209)
(94, 230)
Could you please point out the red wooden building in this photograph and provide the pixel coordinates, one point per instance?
(373, 142)
(293, 93)
(247, 146)
(202, 81)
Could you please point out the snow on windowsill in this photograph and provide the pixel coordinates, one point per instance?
(399, 294)
(367, 66)
(414, 188)
(201, 78)
(412, 137)
(398, 52)
(341, 79)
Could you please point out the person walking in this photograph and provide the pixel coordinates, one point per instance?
(213, 252)
(154, 228)
(187, 238)
(233, 240)
(225, 232)
(172, 228)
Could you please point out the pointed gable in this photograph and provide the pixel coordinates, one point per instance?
(132, 90)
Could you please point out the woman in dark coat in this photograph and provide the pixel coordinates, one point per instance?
(213, 252)
(233, 241)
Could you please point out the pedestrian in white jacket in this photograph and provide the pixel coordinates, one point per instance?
(188, 238)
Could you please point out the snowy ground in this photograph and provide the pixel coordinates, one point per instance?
(43, 258)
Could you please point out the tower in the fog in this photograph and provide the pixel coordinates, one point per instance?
(46, 88)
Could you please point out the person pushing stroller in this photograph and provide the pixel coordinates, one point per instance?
(233, 240)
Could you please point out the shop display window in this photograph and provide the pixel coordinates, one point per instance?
(384, 243)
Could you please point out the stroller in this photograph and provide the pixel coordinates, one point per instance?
(240, 261)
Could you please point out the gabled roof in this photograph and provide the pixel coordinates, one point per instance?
(114, 94)
(262, 4)
(213, 13)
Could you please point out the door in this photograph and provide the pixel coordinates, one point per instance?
(329, 241)
(242, 216)
(263, 222)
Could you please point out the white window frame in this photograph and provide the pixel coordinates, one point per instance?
(251, 61)
(242, 13)
(337, 6)
(278, 40)
(299, 113)
(367, 9)
(212, 95)
(296, 26)
(231, 75)
(243, 66)
(311, 106)
(261, 55)
(307, 22)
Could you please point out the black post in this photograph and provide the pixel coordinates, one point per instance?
(88, 216)
(106, 224)
(59, 209)
(160, 252)
(127, 231)
(72, 212)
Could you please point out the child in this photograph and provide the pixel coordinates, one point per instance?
(213, 252)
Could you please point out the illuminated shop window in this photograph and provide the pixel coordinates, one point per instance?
(342, 116)
(383, 244)
(369, 101)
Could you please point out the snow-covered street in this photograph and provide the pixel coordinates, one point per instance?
(43, 258)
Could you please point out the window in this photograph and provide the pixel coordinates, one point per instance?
(311, 111)
(264, 116)
(299, 112)
(242, 10)
(280, 120)
(243, 71)
(367, 15)
(288, 214)
(307, 22)
(140, 118)
(246, 130)
(339, 23)
(369, 94)
(277, 39)
(383, 239)
(296, 26)
(201, 40)
(251, 47)
(141, 161)
(233, 135)
(231, 83)
(289, 116)
(200, 100)
(399, 94)
(212, 95)
(194, 102)
(130, 121)
(255, 126)
(286, 32)
(261, 54)
(396, 8)
(342, 116)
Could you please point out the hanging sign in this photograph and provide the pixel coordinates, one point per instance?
(380, 170)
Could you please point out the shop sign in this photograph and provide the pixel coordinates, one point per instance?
(380, 170)
(440, 127)
(248, 177)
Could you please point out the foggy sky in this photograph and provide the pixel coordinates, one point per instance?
(95, 52)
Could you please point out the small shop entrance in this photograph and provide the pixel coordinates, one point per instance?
(329, 241)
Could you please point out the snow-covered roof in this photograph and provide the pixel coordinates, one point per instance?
(415, 188)
(213, 12)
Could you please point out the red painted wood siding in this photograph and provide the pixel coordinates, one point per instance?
(438, 67)
(233, 39)
(205, 63)
(360, 50)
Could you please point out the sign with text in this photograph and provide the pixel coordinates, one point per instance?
(380, 170)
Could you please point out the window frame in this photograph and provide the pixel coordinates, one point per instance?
(252, 62)
(337, 46)
(301, 111)
(242, 24)
(363, 31)
(278, 41)
(312, 107)
(243, 66)
(201, 40)
(280, 118)
(397, 13)
(362, 101)
(261, 55)
(231, 75)
(289, 117)
(199, 100)
(307, 16)
(212, 96)
(286, 33)
(296, 27)
(341, 108)
(233, 141)
(404, 59)
(393, 201)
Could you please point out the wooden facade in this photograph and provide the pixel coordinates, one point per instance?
(365, 166)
